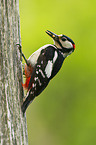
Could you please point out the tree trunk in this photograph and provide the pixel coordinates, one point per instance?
(13, 129)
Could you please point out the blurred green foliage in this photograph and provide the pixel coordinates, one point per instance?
(65, 113)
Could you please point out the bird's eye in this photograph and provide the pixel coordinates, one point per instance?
(63, 39)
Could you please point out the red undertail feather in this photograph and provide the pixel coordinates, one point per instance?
(28, 72)
(26, 83)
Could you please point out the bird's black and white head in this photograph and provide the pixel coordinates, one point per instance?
(63, 43)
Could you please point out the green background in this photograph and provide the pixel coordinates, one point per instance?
(65, 113)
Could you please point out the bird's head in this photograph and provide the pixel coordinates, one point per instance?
(63, 43)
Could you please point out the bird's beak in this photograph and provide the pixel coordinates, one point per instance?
(51, 34)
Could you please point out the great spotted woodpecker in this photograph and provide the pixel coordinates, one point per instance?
(44, 64)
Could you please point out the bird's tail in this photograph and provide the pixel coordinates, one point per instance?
(26, 104)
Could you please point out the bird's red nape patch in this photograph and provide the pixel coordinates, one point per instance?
(74, 46)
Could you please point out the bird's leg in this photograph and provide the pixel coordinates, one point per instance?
(19, 47)
(23, 66)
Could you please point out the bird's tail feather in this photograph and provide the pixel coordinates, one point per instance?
(26, 104)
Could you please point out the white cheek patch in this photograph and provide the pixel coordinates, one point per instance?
(48, 69)
(67, 44)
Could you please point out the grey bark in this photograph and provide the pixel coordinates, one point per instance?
(13, 129)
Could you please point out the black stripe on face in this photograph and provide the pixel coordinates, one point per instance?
(69, 39)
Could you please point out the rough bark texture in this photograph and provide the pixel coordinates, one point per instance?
(13, 130)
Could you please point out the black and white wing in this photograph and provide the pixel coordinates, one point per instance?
(41, 74)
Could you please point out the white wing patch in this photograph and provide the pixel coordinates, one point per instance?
(48, 69)
(55, 56)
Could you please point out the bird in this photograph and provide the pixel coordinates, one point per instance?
(44, 64)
